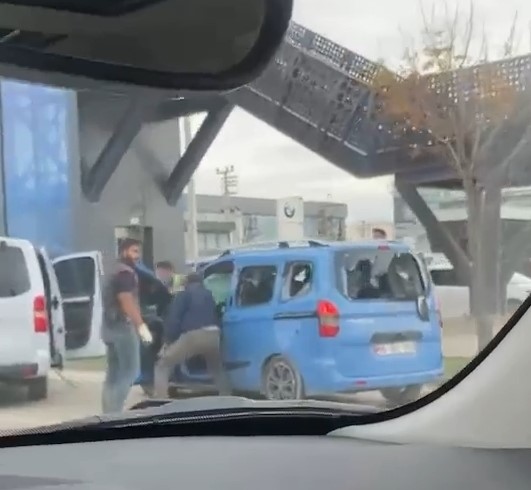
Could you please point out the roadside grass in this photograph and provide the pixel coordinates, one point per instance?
(452, 365)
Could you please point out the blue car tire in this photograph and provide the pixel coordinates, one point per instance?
(397, 396)
(281, 380)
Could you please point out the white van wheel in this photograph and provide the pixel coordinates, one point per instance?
(37, 389)
(402, 395)
(281, 380)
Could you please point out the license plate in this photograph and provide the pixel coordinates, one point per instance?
(395, 348)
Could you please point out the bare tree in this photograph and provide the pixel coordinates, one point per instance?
(475, 118)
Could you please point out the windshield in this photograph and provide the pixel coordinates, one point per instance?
(352, 226)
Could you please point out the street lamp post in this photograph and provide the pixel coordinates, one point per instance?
(192, 201)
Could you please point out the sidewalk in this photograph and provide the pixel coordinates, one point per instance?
(78, 376)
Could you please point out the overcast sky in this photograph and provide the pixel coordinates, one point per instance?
(272, 165)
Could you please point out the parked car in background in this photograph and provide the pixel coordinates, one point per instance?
(454, 297)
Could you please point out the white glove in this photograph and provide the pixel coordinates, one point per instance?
(145, 334)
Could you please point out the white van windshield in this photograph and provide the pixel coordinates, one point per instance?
(14, 275)
(364, 274)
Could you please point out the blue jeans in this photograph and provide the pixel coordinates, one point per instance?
(123, 366)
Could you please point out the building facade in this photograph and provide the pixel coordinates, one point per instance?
(365, 230)
(223, 222)
(48, 136)
(449, 207)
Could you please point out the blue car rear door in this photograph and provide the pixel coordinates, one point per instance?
(295, 319)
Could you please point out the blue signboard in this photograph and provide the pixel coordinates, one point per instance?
(36, 166)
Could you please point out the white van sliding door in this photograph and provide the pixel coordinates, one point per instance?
(79, 277)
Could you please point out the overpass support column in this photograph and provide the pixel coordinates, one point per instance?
(95, 179)
(188, 163)
(435, 229)
(489, 254)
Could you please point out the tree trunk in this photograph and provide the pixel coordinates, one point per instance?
(484, 228)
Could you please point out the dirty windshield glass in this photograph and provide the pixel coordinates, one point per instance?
(370, 191)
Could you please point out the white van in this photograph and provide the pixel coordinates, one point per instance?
(40, 316)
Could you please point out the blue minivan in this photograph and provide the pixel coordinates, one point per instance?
(327, 318)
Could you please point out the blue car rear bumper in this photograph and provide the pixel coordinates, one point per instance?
(335, 383)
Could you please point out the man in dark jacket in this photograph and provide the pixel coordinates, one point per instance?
(191, 329)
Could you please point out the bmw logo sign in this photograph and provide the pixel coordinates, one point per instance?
(289, 211)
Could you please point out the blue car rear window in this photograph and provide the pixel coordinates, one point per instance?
(377, 273)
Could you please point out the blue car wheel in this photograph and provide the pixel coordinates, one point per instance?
(402, 395)
(281, 380)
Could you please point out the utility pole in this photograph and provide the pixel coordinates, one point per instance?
(229, 186)
(192, 201)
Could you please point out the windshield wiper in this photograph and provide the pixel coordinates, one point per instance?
(216, 408)
(204, 409)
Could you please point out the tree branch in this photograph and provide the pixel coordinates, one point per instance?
(508, 47)
(468, 35)
(455, 162)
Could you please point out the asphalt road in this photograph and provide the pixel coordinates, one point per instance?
(77, 395)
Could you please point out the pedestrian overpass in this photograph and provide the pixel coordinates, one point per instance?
(315, 92)
(322, 96)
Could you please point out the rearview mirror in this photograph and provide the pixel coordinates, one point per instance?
(164, 44)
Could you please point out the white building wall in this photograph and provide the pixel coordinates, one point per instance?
(362, 230)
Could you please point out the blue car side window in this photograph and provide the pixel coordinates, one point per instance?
(256, 285)
(297, 280)
(218, 279)
(219, 285)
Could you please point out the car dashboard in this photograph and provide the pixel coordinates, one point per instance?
(260, 463)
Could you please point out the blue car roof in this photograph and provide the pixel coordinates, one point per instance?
(327, 247)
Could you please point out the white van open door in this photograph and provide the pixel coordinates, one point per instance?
(80, 281)
(57, 330)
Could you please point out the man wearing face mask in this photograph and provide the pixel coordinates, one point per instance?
(123, 327)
